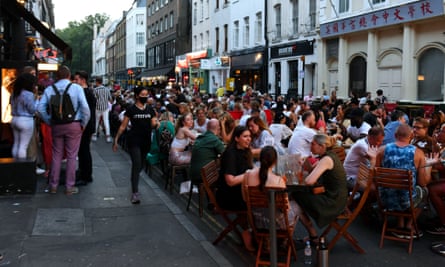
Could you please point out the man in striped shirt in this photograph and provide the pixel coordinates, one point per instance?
(103, 98)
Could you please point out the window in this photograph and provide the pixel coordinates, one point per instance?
(226, 39)
(378, 1)
(165, 22)
(312, 13)
(195, 13)
(207, 39)
(195, 42)
(217, 40)
(246, 31)
(277, 21)
(140, 38)
(202, 10)
(258, 27)
(236, 34)
(171, 20)
(431, 68)
(161, 25)
(217, 4)
(343, 6)
(295, 17)
(149, 10)
(149, 32)
(140, 59)
(201, 37)
(207, 7)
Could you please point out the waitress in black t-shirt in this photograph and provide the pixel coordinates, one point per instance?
(143, 119)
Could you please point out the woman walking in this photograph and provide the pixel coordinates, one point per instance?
(143, 119)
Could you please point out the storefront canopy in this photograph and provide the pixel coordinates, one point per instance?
(156, 73)
(16, 9)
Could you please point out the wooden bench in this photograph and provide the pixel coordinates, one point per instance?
(17, 176)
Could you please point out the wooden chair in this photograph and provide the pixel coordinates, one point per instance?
(340, 152)
(352, 210)
(396, 179)
(258, 200)
(210, 174)
(172, 170)
(201, 191)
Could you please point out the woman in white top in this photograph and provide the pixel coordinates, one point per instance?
(200, 124)
(184, 137)
(261, 135)
(280, 131)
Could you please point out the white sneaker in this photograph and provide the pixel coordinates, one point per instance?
(109, 139)
(94, 138)
(40, 171)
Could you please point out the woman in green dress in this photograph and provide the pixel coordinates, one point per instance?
(328, 171)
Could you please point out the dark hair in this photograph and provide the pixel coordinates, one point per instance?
(25, 81)
(137, 90)
(268, 157)
(237, 132)
(99, 79)
(82, 74)
(379, 92)
(63, 73)
(396, 114)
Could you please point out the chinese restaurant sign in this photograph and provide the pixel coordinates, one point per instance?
(385, 17)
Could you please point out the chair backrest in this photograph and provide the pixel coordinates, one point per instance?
(390, 178)
(257, 199)
(363, 184)
(210, 174)
(340, 152)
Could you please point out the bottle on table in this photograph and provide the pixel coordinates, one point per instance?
(308, 253)
(323, 253)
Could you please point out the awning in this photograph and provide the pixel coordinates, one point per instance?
(15, 8)
(157, 74)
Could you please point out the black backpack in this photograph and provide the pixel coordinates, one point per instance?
(165, 139)
(62, 110)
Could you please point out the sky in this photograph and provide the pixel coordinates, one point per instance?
(65, 11)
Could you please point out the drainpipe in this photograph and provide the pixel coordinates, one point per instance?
(266, 54)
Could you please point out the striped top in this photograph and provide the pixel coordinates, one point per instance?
(103, 96)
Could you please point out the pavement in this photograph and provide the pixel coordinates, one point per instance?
(100, 227)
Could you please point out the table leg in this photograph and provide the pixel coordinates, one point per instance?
(272, 229)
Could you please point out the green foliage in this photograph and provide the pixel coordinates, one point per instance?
(79, 35)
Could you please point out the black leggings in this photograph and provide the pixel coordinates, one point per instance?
(137, 155)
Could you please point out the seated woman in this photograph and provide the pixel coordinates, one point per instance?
(235, 161)
(329, 172)
(184, 137)
(261, 135)
(265, 178)
(201, 121)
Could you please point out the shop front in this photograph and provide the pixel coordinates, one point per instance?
(288, 71)
(248, 68)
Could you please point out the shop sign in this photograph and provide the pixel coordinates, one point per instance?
(385, 17)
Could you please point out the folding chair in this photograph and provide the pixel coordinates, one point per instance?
(258, 200)
(210, 174)
(396, 179)
(352, 210)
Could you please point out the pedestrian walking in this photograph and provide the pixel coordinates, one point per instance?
(143, 119)
(103, 99)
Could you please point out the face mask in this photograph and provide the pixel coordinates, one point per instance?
(143, 99)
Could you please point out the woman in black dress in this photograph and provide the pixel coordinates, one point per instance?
(143, 119)
(235, 160)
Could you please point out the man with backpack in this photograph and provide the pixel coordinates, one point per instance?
(65, 108)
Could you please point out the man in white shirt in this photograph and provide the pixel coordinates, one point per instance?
(301, 139)
(364, 150)
(358, 128)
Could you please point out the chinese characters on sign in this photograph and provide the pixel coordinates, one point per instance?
(385, 17)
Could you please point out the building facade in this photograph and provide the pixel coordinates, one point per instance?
(394, 45)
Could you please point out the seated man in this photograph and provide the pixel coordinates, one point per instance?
(364, 150)
(402, 155)
(206, 148)
(358, 128)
